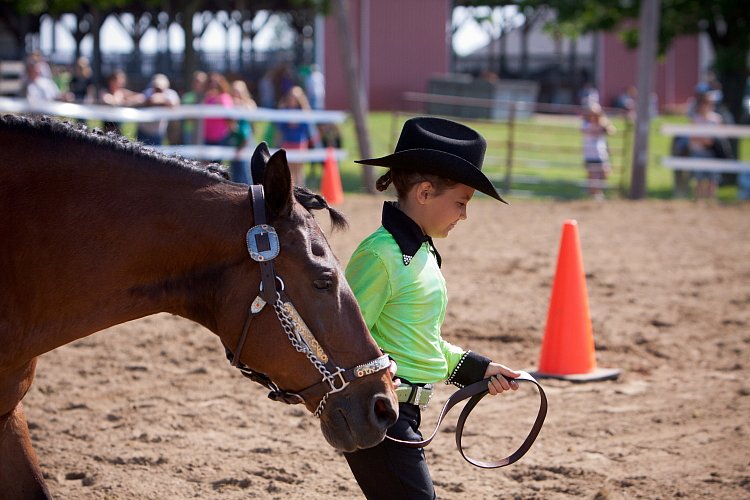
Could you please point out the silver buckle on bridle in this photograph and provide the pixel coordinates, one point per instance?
(263, 246)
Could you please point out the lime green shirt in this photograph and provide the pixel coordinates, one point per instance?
(403, 300)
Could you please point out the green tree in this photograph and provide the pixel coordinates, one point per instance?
(726, 22)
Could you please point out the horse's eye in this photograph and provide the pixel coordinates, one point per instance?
(323, 284)
(318, 250)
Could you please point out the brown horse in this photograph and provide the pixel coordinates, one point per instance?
(96, 230)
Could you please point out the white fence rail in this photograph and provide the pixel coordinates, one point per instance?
(705, 164)
(187, 112)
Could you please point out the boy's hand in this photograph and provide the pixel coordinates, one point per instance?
(499, 375)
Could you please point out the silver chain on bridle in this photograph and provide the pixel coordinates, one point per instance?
(291, 322)
(298, 342)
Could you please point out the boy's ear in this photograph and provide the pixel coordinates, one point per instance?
(424, 191)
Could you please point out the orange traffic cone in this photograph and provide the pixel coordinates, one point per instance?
(568, 346)
(330, 183)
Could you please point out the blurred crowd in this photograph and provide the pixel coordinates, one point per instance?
(705, 107)
(281, 87)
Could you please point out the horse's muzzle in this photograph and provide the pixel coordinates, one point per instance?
(350, 423)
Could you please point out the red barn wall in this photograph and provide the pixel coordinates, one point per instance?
(677, 72)
(405, 41)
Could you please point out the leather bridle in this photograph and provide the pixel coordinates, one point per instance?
(263, 246)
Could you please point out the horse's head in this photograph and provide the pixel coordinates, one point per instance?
(305, 332)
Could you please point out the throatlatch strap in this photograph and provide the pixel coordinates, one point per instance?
(476, 392)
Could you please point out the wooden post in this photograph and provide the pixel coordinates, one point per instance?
(509, 152)
(627, 131)
(394, 130)
(649, 30)
(96, 62)
(356, 92)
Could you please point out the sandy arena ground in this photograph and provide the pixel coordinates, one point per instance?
(151, 409)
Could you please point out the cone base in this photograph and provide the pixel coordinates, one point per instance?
(599, 374)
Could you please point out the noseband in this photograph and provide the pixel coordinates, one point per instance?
(263, 246)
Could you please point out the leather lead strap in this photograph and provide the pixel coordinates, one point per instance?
(476, 392)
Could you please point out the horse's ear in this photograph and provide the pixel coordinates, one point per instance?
(258, 163)
(277, 185)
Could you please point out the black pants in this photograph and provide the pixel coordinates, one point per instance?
(392, 471)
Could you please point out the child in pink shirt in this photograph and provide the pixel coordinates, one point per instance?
(216, 131)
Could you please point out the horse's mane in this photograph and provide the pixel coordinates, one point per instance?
(63, 130)
(79, 132)
(313, 201)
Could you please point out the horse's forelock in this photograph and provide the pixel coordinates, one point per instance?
(312, 201)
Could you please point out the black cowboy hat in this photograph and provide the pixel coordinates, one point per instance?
(440, 147)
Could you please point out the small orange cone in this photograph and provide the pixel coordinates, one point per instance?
(568, 346)
(330, 183)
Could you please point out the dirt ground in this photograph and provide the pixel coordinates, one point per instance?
(151, 409)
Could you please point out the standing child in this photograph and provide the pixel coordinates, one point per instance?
(216, 131)
(595, 128)
(706, 181)
(242, 133)
(193, 96)
(295, 135)
(395, 275)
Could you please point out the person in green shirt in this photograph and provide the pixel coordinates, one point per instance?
(395, 276)
(193, 96)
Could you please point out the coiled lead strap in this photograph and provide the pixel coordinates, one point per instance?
(475, 392)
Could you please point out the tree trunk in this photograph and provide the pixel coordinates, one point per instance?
(731, 72)
(356, 94)
(96, 63)
(649, 26)
(189, 64)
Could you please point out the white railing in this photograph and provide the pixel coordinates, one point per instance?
(705, 164)
(187, 112)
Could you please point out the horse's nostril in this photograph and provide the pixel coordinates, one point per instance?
(383, 412)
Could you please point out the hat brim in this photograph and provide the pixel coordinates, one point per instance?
(438, 163)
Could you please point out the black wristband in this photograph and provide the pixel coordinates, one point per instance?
(470, 369)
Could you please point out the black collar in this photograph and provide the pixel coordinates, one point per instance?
(406, 232)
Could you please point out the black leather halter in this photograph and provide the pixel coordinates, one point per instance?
(263, 246)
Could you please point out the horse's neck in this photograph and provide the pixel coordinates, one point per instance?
(114, 247)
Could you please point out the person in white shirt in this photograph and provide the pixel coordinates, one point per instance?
(38, 87)
(157, 94)
(706, 181)
(595, 129)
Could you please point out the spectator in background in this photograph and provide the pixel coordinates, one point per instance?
(295, 135)
(117, 95)
(706, 181)
(193, 96)
(266, 92)
(283, 79)
(81, 85)
(315, 86)
(588, 94)
(242, 132)
(39, 88)
(42, 66)
(157, 94)
(627, 101)
(743, 185)
(595, 129)
(216, 131)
